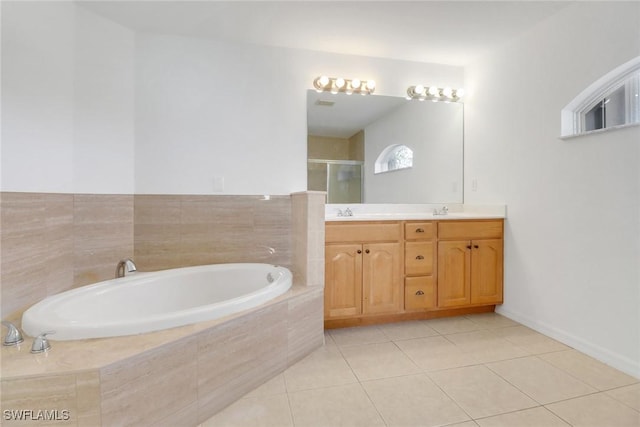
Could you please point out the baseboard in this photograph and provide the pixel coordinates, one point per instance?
(602, 354)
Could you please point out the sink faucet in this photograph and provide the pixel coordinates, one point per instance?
(443, 211)
(125, 266)
(346, 212)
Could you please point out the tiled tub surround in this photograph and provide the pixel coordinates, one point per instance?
(181, 230)
(179, 376)
(54, 242)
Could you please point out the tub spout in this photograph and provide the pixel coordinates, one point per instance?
(124, 267)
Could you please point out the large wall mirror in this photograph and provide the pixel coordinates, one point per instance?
(349, 134)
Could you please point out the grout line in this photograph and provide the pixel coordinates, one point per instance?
(450, 397)
(620, 401)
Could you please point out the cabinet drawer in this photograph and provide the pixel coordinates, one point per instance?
(363, 232)
(470, 229)
(418, 258)
(419, 230)
(419, 293)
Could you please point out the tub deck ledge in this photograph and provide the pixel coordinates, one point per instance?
(132, 380)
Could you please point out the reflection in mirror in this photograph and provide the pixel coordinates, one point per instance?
(349, 130)
(393, 158)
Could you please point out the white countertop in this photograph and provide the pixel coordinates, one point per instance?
(364, 212)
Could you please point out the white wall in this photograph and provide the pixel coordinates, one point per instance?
(208, 109)
(104, 106)
(572, 248)
(67, 100)
(37, 96)
(433, 130)
(203, 109)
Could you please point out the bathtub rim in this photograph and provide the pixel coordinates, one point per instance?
(155, 322)
(76, 356)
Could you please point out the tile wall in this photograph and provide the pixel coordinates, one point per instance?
(180, 231)
(54, 242)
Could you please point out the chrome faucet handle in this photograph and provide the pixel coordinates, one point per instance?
(348, 212)
(13, 337)
(41, 343)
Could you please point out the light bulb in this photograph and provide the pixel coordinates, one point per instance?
(340, 82)
(419, 90)
(355, 83)
(433, 91)
(460, 93)
(323, 80)
(448, 92)
(371, 85)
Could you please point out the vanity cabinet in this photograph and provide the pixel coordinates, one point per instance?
(470, 263)
(385, 271)
(363, 269)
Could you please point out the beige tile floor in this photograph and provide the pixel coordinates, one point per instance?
(479, 370)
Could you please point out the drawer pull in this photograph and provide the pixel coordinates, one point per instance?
(419, 230)
(419, 293)
(419, 257)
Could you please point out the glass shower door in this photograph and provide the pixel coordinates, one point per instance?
(341, 179)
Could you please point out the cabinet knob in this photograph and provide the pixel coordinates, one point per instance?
(359, 251)
(476, 246)
(366, 251)
(419, 293)
(468, 246)
(419, 257)
(419, 230)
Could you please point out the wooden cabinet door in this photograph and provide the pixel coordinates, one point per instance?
(454, 273)
(486, 271)
(343, 280)
(382, 278)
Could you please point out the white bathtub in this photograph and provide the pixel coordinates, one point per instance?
(145, 302)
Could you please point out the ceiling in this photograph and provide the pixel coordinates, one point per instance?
(445, 32)
(341, 115)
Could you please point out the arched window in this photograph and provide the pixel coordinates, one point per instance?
(394, 157)
(610, 102)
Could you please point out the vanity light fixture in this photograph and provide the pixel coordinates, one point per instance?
(348, 86)
(433, 93)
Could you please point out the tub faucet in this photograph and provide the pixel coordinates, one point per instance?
(125, 266)
(41, 343)
(13, 337)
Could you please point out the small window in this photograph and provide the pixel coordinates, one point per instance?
(394, 157)
(610, 102)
